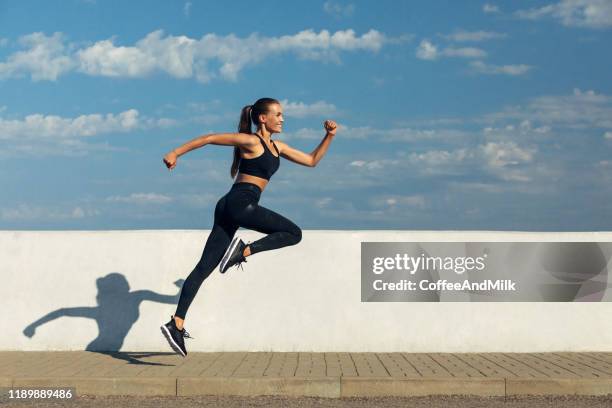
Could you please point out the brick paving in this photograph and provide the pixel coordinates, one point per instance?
(310, 374)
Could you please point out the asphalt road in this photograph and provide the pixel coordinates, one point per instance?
(231, 402)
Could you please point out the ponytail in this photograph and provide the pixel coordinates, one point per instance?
(249, 113)
(244, 126)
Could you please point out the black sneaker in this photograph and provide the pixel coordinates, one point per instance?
(176, 338)
(233, 256)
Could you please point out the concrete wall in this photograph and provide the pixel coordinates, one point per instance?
(301, 298)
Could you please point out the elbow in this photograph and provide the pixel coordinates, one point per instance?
(204, 140)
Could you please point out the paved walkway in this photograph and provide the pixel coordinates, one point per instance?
(310, 374)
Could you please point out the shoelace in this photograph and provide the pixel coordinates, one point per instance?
(187, 335)
(239, 264)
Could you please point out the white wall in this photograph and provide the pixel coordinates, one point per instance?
(301, 298)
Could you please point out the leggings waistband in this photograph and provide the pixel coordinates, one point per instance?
(246, 186)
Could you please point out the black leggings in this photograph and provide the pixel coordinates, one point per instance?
(238, 208)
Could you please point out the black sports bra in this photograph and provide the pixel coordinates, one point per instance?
(264, 165)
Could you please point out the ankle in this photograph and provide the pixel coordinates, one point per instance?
(178, 322)
(247, 251)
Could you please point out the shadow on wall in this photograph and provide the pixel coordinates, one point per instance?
(116, 313)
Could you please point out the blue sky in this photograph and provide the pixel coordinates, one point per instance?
(454, 115)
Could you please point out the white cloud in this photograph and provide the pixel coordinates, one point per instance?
(374, 164)
(428, 51)
(40, 126)
(397, 202)
(42, 135)
(302, 110)
(466, 52)
(141, 198)
(505, 160)
(428, 163)
(608, 135)
(589, 96)
(51, 126)
(525, 130)
(581, 109)
(440, 158)
(475, 186)
(26, 212)
(513, 70)
(506, 153)
(338, 10)
(435, 122)
(46, 58)
(490, 8)
(574, 13)
(323, 202)
(173, 55)
(466, 36)
(187, 9)
(404, 134)
(604, 163)
(523, 151)
(180, 56)
(400, 134)
(78, 212)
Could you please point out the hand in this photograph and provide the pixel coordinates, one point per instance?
(29, 331)
(331, 127)
(170, 160)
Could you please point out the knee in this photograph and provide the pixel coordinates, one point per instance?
(296, 235)
(202, 270)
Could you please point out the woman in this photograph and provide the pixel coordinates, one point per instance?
(256, 159)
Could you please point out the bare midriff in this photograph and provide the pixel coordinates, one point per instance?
(247, 178)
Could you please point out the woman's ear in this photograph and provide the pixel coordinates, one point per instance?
(262, 119)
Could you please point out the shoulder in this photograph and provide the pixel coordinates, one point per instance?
(280, 145)
(247, 139)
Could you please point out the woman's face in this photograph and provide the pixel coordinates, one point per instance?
(273, 119)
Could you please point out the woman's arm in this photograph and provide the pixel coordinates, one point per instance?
(224, 139)
(312, 159)
(86, 311)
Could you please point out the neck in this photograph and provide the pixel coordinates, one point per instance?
(263, 132)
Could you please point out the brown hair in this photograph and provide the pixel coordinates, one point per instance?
(250, 113)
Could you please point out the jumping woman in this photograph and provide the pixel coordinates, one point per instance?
(256, 159)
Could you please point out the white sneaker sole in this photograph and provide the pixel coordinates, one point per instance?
(171, 341)
(230, 250)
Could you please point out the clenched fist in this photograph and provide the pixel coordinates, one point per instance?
(330, 127)
(170, 160)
